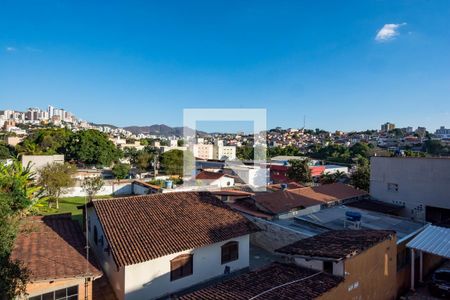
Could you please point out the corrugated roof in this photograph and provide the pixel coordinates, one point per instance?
(434, 240)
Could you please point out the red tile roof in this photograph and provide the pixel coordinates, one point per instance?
(142, 228)
(206, 175)
(277, 281)
(53, 247)
(290, 185)
(146, 184)
(337, 244)
(230, 192)
(284, 201)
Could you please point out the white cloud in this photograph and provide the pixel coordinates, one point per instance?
(388, 32)
(10, 49)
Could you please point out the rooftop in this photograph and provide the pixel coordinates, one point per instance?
(337, 244)
(277, 281)
(206, 175)
(290, 185)
(142, 228)
(378, 206)
(285, 200)
(53, 247)
(333, 218)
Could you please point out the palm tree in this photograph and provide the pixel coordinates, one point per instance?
(19, 182)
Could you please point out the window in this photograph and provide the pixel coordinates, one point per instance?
(230, 252)
(328, 267)
(95, 235)
(181, 266)
(393, 187)
(70, 293)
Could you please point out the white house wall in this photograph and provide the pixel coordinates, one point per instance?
(151, 279)
(115, 276)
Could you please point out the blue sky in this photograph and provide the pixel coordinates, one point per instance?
(142, 62)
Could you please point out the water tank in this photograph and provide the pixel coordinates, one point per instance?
(168, 184)
(353, 216)
(284, 186)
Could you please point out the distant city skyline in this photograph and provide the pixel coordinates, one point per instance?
(222, 126)
(351, 66)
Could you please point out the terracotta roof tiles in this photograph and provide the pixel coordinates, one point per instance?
(53, 247)
(337, 244)
(142, 228)
(277, 281)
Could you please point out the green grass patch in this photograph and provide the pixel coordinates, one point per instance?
(66, 205)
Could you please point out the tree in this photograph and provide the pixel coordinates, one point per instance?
(55, 179)
(143, 161)
(362, 149)
(18, 181)
(299, 171)
(360, 178)
(328, 178)
(46, 141)
(174, 162)
(92, 147)
(14, 186)
(92, 185)
(433, 147)
(121, 171)
(5, 151)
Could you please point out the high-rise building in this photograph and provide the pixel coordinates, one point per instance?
(421, 131)
(387, 127)
(443, 133)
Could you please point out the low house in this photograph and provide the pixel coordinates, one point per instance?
(276, 281)
(53, 249)
(288, 203)
(365, 259)
(155, 245)
(214, 179)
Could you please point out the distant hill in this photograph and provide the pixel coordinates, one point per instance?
(161, 129)
(104, 125)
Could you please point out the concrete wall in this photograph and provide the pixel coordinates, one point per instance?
(115, 275)
(273, 236)
(151, 279)
(39, 161)
(110, 188)
(369, 275)
(300, 212)
(421, 182)
(338, 267)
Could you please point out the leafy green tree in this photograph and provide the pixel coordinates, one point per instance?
(131, 154)
(299, 171)
(5, 151)
(433, 147)
(18, 181)
(121, 171)
(143, 161)
(245, 152)
(92, 147)
(362, 149)
(46, 141)
(55, 179)
(15, 188)
(92, 185)
(173, 162)
(360, 178)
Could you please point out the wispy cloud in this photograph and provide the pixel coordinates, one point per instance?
(388, 32)
(10, 49)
